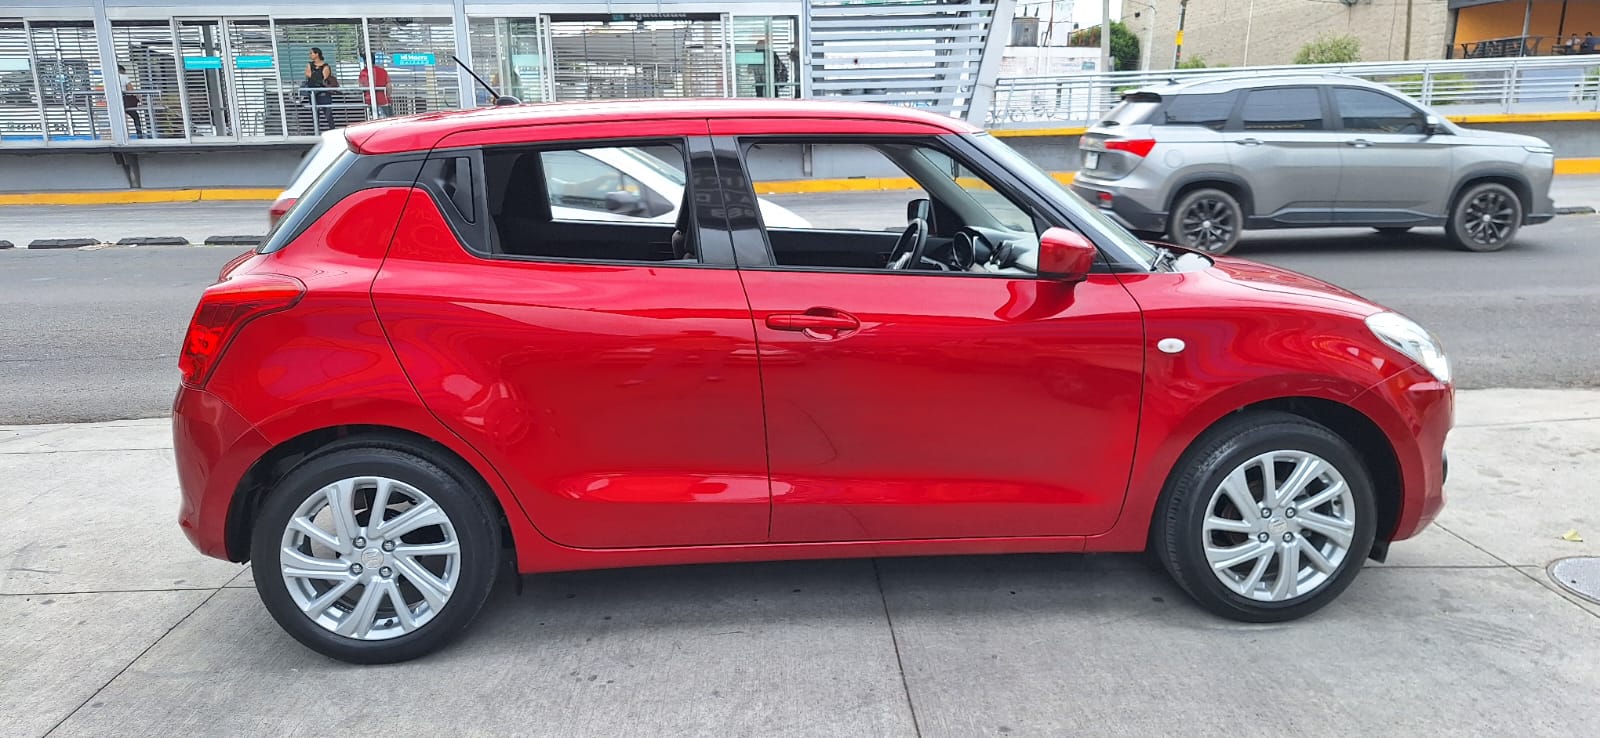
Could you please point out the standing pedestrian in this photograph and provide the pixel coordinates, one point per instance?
(130, 101)
(375, 86)
(320, 76)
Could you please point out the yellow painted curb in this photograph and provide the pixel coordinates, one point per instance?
(1578, 166)
(1037, 132)
(1525, 117)
(130, 197)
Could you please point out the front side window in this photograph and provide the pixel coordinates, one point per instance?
(1283, 109)
(886, 205)
(603, 203)
(1373, 111)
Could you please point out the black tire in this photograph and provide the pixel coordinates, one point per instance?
(1484, 217)
(1393, 230)
(1206, 220)
(469, 512)
(1177, 539)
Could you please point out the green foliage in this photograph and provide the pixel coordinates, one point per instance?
(1196, 62)
(1124, 44)
(1330, 50)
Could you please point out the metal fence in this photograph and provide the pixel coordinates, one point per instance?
(1455, 87)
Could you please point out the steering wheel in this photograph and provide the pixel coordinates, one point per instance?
(909, 249)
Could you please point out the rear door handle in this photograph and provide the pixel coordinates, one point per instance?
(816, 322)
(1359, 143)
(1248, 142)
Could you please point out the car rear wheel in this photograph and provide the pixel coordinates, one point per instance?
(1485, 217)
(373, 555)
(1268, 518)
(1206, 220)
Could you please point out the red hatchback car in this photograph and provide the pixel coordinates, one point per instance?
(487, 336)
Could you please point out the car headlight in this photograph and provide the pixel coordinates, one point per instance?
(1412, 340)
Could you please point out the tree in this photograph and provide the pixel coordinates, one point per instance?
(1330, 50)
(1195, 62)
(1124, 44)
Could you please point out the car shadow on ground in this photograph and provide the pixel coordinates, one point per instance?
(1329, 241)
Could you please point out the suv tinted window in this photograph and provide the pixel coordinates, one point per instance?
(1210, 110)
(1369, 110)
(1283, 109)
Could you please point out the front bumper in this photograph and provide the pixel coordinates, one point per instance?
(1415, 411)
(214, 448)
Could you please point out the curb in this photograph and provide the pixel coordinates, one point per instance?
(1575, 210)
(62, 243)
(235, 240)
(154, 241)
(6, 245)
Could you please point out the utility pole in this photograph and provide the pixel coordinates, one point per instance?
(1177, 46)
(1105, 36)
(1407, 55)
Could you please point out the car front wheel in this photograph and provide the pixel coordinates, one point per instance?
(1207, 220)
(373, 555)
(1484, 218)
(1268, 518)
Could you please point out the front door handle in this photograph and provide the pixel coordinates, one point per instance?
(816, 322)
(1248, 142)
(1360, 143)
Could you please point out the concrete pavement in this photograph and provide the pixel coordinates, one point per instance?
(111, 625)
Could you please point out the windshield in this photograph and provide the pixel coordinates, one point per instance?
(1036, 178)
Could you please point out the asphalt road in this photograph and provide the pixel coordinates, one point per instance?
(94, 335)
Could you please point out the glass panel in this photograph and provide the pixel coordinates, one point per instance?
(205, 82)
(413, 54)
(509, 53)
(67, 61)
(255, 77)
(638, 57)
(334, 97)
(20, 121)
(1209, 110)
(1283, 109)
(149, 78)
(1367, 110)
(765, 50)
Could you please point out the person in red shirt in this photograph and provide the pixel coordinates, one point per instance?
(379, 85)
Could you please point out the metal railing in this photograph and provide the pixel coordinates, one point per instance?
(1454, 87)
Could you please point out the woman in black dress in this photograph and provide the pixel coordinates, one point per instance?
(318, 76)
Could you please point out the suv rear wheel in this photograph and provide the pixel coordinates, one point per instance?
(1208, 220)
(1485, 217)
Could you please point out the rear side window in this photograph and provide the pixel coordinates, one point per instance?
(1283, 109)
(1210, 110)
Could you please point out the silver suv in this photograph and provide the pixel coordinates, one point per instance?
(1201, 161)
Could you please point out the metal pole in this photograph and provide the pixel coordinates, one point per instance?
(1249, 22)
(1105, 36)
(1407, 55)
(1177, 47)
(1149, 39)
(1527, 18)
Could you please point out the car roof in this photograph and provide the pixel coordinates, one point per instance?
(421, 132)
(1226, 82)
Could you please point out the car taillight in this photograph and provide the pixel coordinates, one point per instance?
(226, 307)
(278, 209)
(1139, 147)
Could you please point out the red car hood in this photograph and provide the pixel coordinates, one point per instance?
(1268, 278)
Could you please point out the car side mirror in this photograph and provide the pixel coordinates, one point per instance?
(1065, 256)
(623, 202)
(1433, 125)
(921, 207)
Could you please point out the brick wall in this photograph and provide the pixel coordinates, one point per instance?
(1271, 31)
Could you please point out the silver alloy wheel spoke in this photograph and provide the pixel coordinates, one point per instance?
(356, 592)
(1279, 525)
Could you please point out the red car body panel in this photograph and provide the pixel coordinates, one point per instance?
(640, 414)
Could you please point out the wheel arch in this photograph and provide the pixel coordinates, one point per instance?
(1232, 184)
(1514, 180)
(285, 456)
(1350, 424)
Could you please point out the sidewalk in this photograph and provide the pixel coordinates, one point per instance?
(197, 221)
(111, 625)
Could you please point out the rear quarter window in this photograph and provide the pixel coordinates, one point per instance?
(1208, 110)
(1134, 109)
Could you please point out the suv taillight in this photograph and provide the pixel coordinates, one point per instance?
(226, 307)
(278, 209)
(1139, 147)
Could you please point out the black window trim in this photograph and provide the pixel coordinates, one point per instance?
(755, 250)
(712, 248)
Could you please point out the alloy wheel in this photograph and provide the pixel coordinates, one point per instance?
(370, 558)
(1279, 526)
(1208, 224)
(1489, 218)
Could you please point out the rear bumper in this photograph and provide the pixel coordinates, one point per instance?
(1416, 412)
(214, 447)
(1125, 210)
